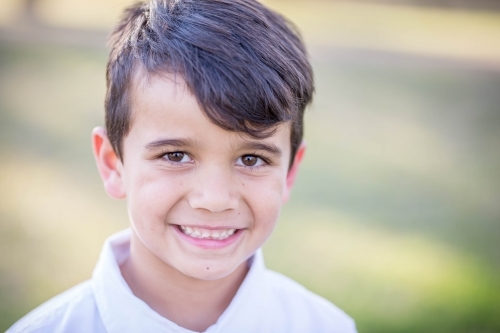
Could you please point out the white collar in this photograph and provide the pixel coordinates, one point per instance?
(121, 311)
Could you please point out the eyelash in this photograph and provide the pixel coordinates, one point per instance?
(164, 156)
(266, 162)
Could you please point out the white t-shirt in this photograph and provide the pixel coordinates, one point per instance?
(265, 302)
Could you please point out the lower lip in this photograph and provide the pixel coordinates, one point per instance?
(210, 244)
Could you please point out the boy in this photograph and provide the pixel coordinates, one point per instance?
(204, 109)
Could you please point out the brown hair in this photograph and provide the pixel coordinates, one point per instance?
(244, 63)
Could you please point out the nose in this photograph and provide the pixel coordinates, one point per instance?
(214, 190)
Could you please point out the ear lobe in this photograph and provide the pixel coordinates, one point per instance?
(292, 173)
(108, 164)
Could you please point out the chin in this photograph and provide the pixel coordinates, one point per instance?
(209, 276)
(210, 271)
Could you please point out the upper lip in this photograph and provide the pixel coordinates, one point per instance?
(208, 227)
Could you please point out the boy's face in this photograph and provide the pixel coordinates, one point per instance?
(200, 198)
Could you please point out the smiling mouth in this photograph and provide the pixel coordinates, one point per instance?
(202, 233)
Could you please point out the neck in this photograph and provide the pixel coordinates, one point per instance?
(189, 302)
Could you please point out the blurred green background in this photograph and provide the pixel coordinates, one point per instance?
(396, 214)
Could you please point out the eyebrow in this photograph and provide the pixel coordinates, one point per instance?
(168, 142)
(269, 147)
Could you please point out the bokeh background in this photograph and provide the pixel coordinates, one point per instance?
(396, 214)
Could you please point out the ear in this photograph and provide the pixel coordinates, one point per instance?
(109, 165)
(292, 173)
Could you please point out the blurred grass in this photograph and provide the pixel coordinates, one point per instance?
(429, 31)
(395, 216)
(54, 215)
(423, 30)
(389, 282)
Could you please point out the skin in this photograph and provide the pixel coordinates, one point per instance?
(181, 169)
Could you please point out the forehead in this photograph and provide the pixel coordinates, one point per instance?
(160, 97)
(163, 105)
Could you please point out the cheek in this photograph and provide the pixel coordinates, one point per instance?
(265, 203)
(151, 195)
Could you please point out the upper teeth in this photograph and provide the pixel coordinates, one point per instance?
(206, 233)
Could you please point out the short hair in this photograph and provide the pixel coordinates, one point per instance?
(245, 64)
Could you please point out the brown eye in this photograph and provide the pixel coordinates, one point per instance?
(175, 156)
(249, 160)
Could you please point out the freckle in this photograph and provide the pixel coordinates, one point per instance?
(207, 268)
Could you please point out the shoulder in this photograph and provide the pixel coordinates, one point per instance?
(307, 310)
(71, 311)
